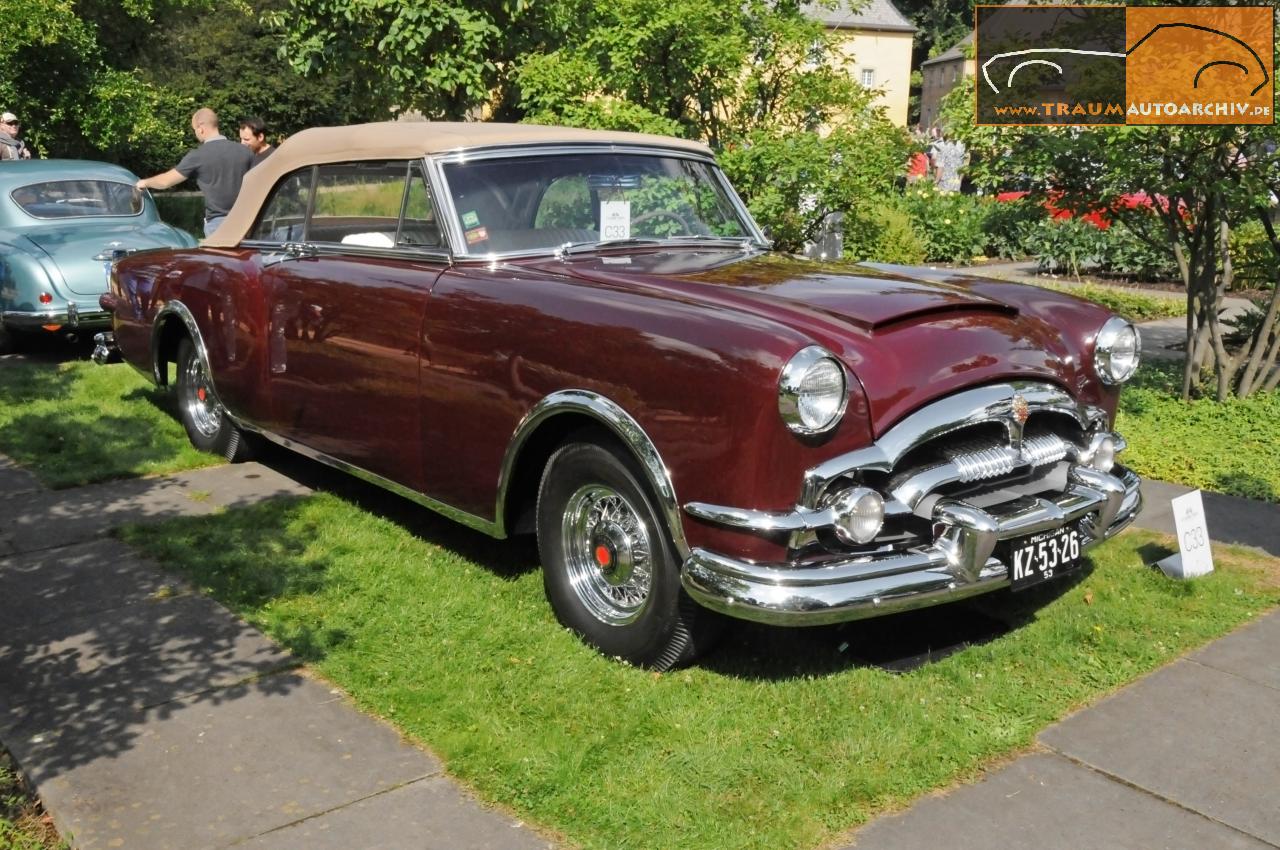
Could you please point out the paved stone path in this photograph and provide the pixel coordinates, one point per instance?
(150, 717)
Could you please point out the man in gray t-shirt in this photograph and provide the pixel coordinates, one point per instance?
(218, 165)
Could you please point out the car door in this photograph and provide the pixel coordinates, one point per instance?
(346, 286)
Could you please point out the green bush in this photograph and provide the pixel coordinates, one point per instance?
(792, 181)
(882, 234)
(1068, 245)
(1011, 226)
(950, 224)
(1252, 259)
(1123, 253)
(184, 210)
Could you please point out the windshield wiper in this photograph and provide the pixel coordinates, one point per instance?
(571, 248)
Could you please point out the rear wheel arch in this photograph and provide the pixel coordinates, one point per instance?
(172, 324)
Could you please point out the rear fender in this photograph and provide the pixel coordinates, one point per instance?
(171, 323)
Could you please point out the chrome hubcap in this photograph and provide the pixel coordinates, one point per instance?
(607, 554)
(201, 406)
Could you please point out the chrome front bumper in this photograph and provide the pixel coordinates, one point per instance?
(958, 564)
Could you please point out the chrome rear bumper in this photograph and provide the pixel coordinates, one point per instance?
(958, 564)
(69, 319)
(104, 348)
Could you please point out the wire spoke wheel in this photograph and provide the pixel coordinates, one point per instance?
(206, 421)
(199, 404)
(608, 564)
(608, 554)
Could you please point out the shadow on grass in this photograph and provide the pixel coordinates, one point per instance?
(509, 558)
(897, 643)
(1246, 485)
(274, 567)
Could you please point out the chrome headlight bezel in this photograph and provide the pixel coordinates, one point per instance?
(791, 387)
(1112, 332)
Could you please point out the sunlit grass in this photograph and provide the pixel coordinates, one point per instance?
(77, 423)
(1229, 447)
(778, 739)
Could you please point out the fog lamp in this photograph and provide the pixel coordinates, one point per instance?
(859, 515)
(1102, 453)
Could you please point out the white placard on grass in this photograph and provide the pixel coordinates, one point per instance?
(1194, 557)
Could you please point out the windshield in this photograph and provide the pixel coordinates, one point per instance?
(541, 202)
(77, 198)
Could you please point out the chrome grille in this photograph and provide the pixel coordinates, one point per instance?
(980, 461)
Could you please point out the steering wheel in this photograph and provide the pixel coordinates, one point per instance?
(686, 228)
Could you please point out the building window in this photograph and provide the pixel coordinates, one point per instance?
(868, 78)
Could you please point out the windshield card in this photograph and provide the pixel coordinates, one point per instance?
(615, 220)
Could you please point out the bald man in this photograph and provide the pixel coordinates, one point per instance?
(218, 166)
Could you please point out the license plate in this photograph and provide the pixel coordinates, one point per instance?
(1042, 556)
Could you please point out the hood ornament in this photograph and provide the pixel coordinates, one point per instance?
(1020, 409)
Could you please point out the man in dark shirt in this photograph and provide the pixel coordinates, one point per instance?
(253, 135)
(218, 166)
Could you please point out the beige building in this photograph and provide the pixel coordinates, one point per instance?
(878, 41)
(940, 74)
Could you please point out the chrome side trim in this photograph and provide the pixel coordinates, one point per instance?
(956, 565)
(455, 514)
(992, 403)
(177, 308)
(609, 413)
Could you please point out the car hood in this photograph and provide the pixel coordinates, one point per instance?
(909, 335)
(72, 247)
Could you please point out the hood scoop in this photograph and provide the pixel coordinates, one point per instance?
(876, 302)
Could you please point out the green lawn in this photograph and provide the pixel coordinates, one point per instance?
(778, 739)
(1232, 447)
(75, 423)
(1134, 305)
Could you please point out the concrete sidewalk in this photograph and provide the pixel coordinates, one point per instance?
(1186, 759)
(148, 716)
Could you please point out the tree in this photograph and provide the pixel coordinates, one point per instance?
(230, 62)
(756, 80)
(1200, 181)
(443, 58)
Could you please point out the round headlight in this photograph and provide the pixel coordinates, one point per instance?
(1117, 351)
(811, 392)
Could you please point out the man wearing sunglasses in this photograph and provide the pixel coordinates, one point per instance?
(11, 147)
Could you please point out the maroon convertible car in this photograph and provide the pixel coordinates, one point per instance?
(583, 335)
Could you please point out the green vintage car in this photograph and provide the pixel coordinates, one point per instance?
(62, 222)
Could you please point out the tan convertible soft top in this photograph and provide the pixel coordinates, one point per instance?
(401, 140)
